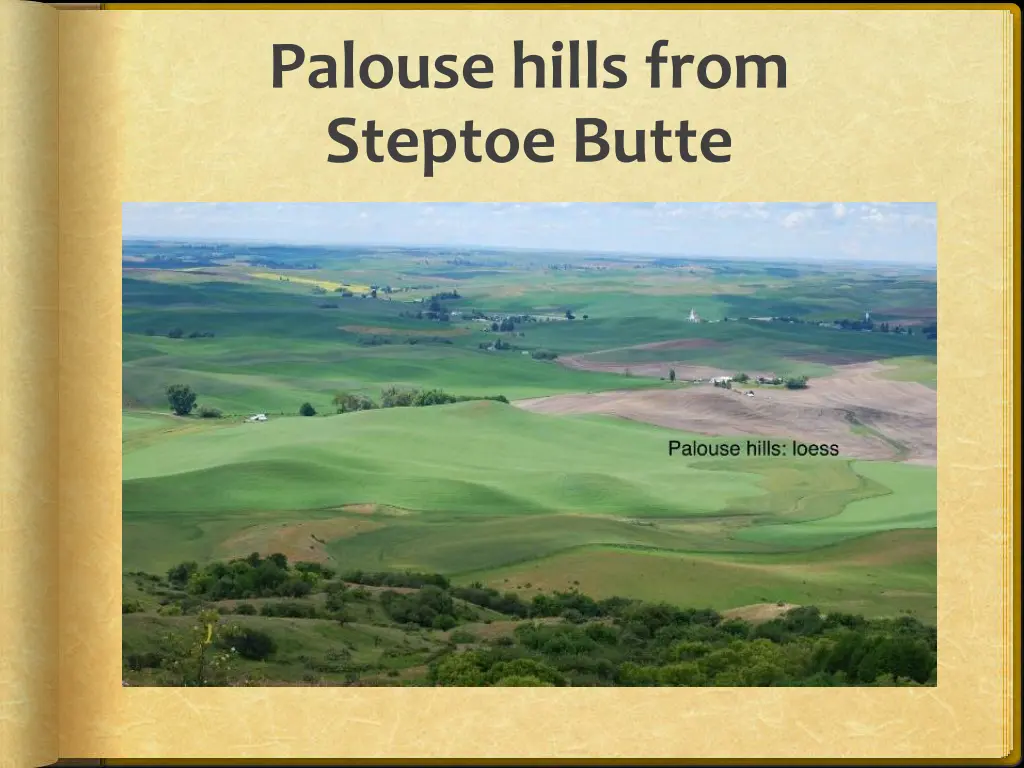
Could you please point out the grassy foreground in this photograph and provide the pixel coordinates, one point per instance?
(257, 621)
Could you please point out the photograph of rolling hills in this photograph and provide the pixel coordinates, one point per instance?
(529, 444)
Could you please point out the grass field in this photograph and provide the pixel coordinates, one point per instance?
(484, 491)
(473, 487)
(923, 370)
(884, 574)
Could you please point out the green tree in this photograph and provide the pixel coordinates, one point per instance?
(459, 670)
(182, 399)
(545, 674)
(345, 402)
(306, 409)
(672, 374)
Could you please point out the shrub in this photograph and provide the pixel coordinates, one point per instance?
(131, 606)
(392, 397)
(253, 644)
(433, 397)
(245, 609)
(799, 382)
(346, 402)
(206, 412)
(306, 409)
(180, 574)
(144, 660)
(461, 636)
(289, 610)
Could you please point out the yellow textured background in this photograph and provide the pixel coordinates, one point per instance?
(28, 384)
(880, 106)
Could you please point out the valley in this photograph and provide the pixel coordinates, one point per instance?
(501, 418)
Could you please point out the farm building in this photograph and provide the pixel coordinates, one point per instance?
(258, 417)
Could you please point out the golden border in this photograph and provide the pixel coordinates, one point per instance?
(1012, 8)
(1012, 336)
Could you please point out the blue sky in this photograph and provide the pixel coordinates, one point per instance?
(894, 232)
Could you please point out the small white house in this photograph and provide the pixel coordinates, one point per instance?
(258, 417)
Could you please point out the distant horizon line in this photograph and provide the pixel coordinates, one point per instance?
(526, 249)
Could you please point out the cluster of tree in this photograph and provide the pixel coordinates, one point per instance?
(611, 642)
(854, 325)
(509, 603)
(796, 382)
(544, 354)
(395, 397)
(659, 645)
(435, 310)
(508, 324)
(723, 384)
(443, 295)
(374, 341)
(248, 577)
(346, 402)
(413, 340)
(741, 378)
(885, 327)
(377, 341)
(178, 333)
(404, 579)
(429, 606)
(501, 345)
(272, 264)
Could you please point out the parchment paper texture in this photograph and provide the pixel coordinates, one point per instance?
(178, 106)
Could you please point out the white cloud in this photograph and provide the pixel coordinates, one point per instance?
(797, 218)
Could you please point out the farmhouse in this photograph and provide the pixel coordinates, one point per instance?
(258, 417)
